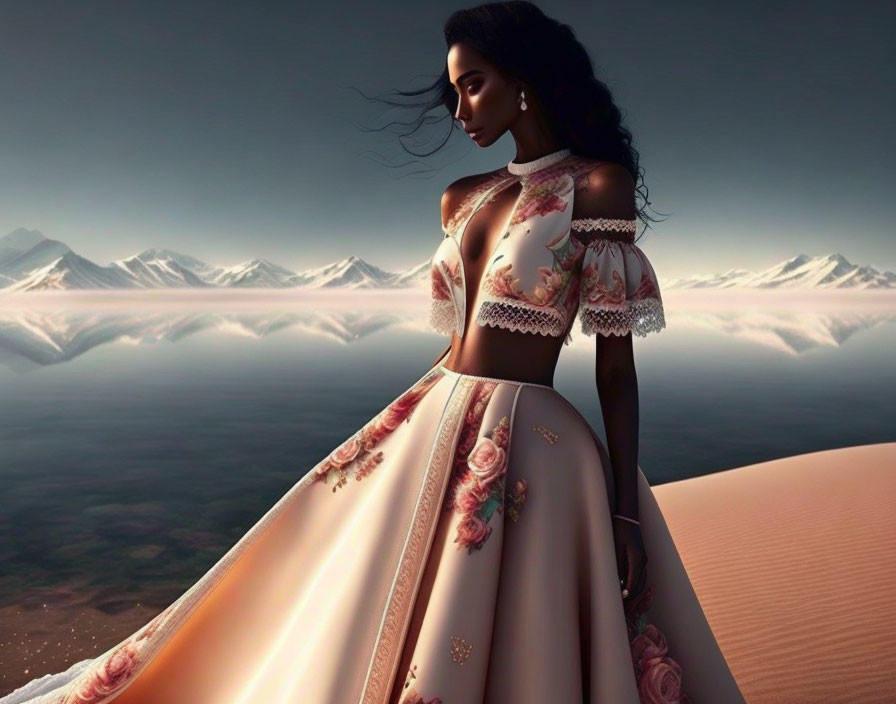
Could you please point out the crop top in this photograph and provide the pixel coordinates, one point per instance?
(547, 267)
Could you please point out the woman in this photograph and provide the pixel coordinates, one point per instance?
(473, 542)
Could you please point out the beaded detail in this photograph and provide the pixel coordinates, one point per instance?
(547, 434)
(460, 649)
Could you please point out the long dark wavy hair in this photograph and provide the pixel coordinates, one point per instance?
(525, 44)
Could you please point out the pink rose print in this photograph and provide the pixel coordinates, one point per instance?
(480, 490)
(471, 493)
(346, 452)
(538, 202)
(661, 683)
(110, 676)
(359, 449)
(461, 473)
(658, 676)
(546, 290)
(472, 530)
(487, 460)
(397, 412)
(515, 498)
(502, 283)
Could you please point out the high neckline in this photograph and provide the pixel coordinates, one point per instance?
(528, 167)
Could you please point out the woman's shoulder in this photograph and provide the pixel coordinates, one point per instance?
(463, 188)
(594, 174)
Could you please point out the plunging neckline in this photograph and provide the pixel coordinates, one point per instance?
(513, 172)
(490, 193)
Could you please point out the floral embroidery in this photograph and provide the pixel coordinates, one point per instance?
(440, 290)
(479, 398)
(658, 676)
(502, 283)
(115, 670)
(553, 280)
(481, 490)
(452, 271)
(597, 284)
(537, 202)
(358, 450)
(545, 192)
(515, 498)
(595, 293)
(460, 649)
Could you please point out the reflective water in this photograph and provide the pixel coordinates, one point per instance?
(143, 433)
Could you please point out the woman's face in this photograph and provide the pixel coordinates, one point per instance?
(487, 103)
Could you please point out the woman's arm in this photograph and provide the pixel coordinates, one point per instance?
(609, 192)
(617, 388)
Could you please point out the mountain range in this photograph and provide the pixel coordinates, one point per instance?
(31, 262)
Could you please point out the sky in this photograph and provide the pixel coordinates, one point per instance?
(230, 131)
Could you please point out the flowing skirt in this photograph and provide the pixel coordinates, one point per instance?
(458, 548)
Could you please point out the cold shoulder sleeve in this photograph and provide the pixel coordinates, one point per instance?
(618, 292)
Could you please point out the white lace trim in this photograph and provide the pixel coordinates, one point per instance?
(442, 316)
(515, 315)
(612, 224)
(638, 317)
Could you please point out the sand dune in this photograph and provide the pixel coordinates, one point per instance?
(793, 561)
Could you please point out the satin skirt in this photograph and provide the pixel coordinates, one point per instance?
(458, 548)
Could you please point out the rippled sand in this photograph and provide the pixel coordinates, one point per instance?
(793, 561)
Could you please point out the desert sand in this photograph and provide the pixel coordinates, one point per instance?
(792, 560)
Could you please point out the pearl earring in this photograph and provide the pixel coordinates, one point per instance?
(523, 105)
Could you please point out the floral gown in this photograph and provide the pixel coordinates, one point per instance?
(458, 547)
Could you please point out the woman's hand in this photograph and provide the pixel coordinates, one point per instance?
(631, 557)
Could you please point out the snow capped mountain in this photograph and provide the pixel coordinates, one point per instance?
(158, 273)
(29, 261)
(43, 253)
(801, 271)
(348, 273)
(73, 271)
(256, 273)
(203, 270)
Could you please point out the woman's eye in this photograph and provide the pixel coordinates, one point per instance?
(473, 86)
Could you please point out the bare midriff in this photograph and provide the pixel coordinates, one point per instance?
(490, 351)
